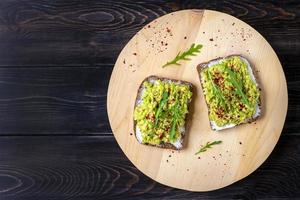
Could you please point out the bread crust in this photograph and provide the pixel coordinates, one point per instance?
(204, 65)
(139, 97)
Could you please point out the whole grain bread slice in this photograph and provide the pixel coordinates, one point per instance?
(180, 142)
(253, 75)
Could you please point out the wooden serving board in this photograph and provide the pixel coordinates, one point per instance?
(245, 147)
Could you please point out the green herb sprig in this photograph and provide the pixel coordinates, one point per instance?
(162, 103)
(192, 51)
(216, 91)
(176, 116)
(238, 88)
(207, 146)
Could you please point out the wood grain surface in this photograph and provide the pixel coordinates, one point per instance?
(55, 61)
(244, 148)
(94, 167)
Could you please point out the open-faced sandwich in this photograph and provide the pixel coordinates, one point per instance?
(160, 112)
(231, 91)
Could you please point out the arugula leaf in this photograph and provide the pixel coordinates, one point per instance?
(184, 56)
(207, 146)
(176, 115)
(216, 91)
(238, 88)
(162, 103)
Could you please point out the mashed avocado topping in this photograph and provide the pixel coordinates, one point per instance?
(230, 92)
(161, 113)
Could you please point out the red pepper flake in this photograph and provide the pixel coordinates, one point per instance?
(211, 39)
(168, 30)
(149, 26)
(242, 106)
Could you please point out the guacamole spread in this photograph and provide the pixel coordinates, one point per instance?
(230, 92)
(160, 115)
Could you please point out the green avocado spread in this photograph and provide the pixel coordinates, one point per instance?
(161, 113)
(230, 92)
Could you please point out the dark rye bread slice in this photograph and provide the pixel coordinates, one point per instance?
(139, 100)
(251, 71)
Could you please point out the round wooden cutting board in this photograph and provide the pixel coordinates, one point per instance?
(245, 147)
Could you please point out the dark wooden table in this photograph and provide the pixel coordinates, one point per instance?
(56, 58)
